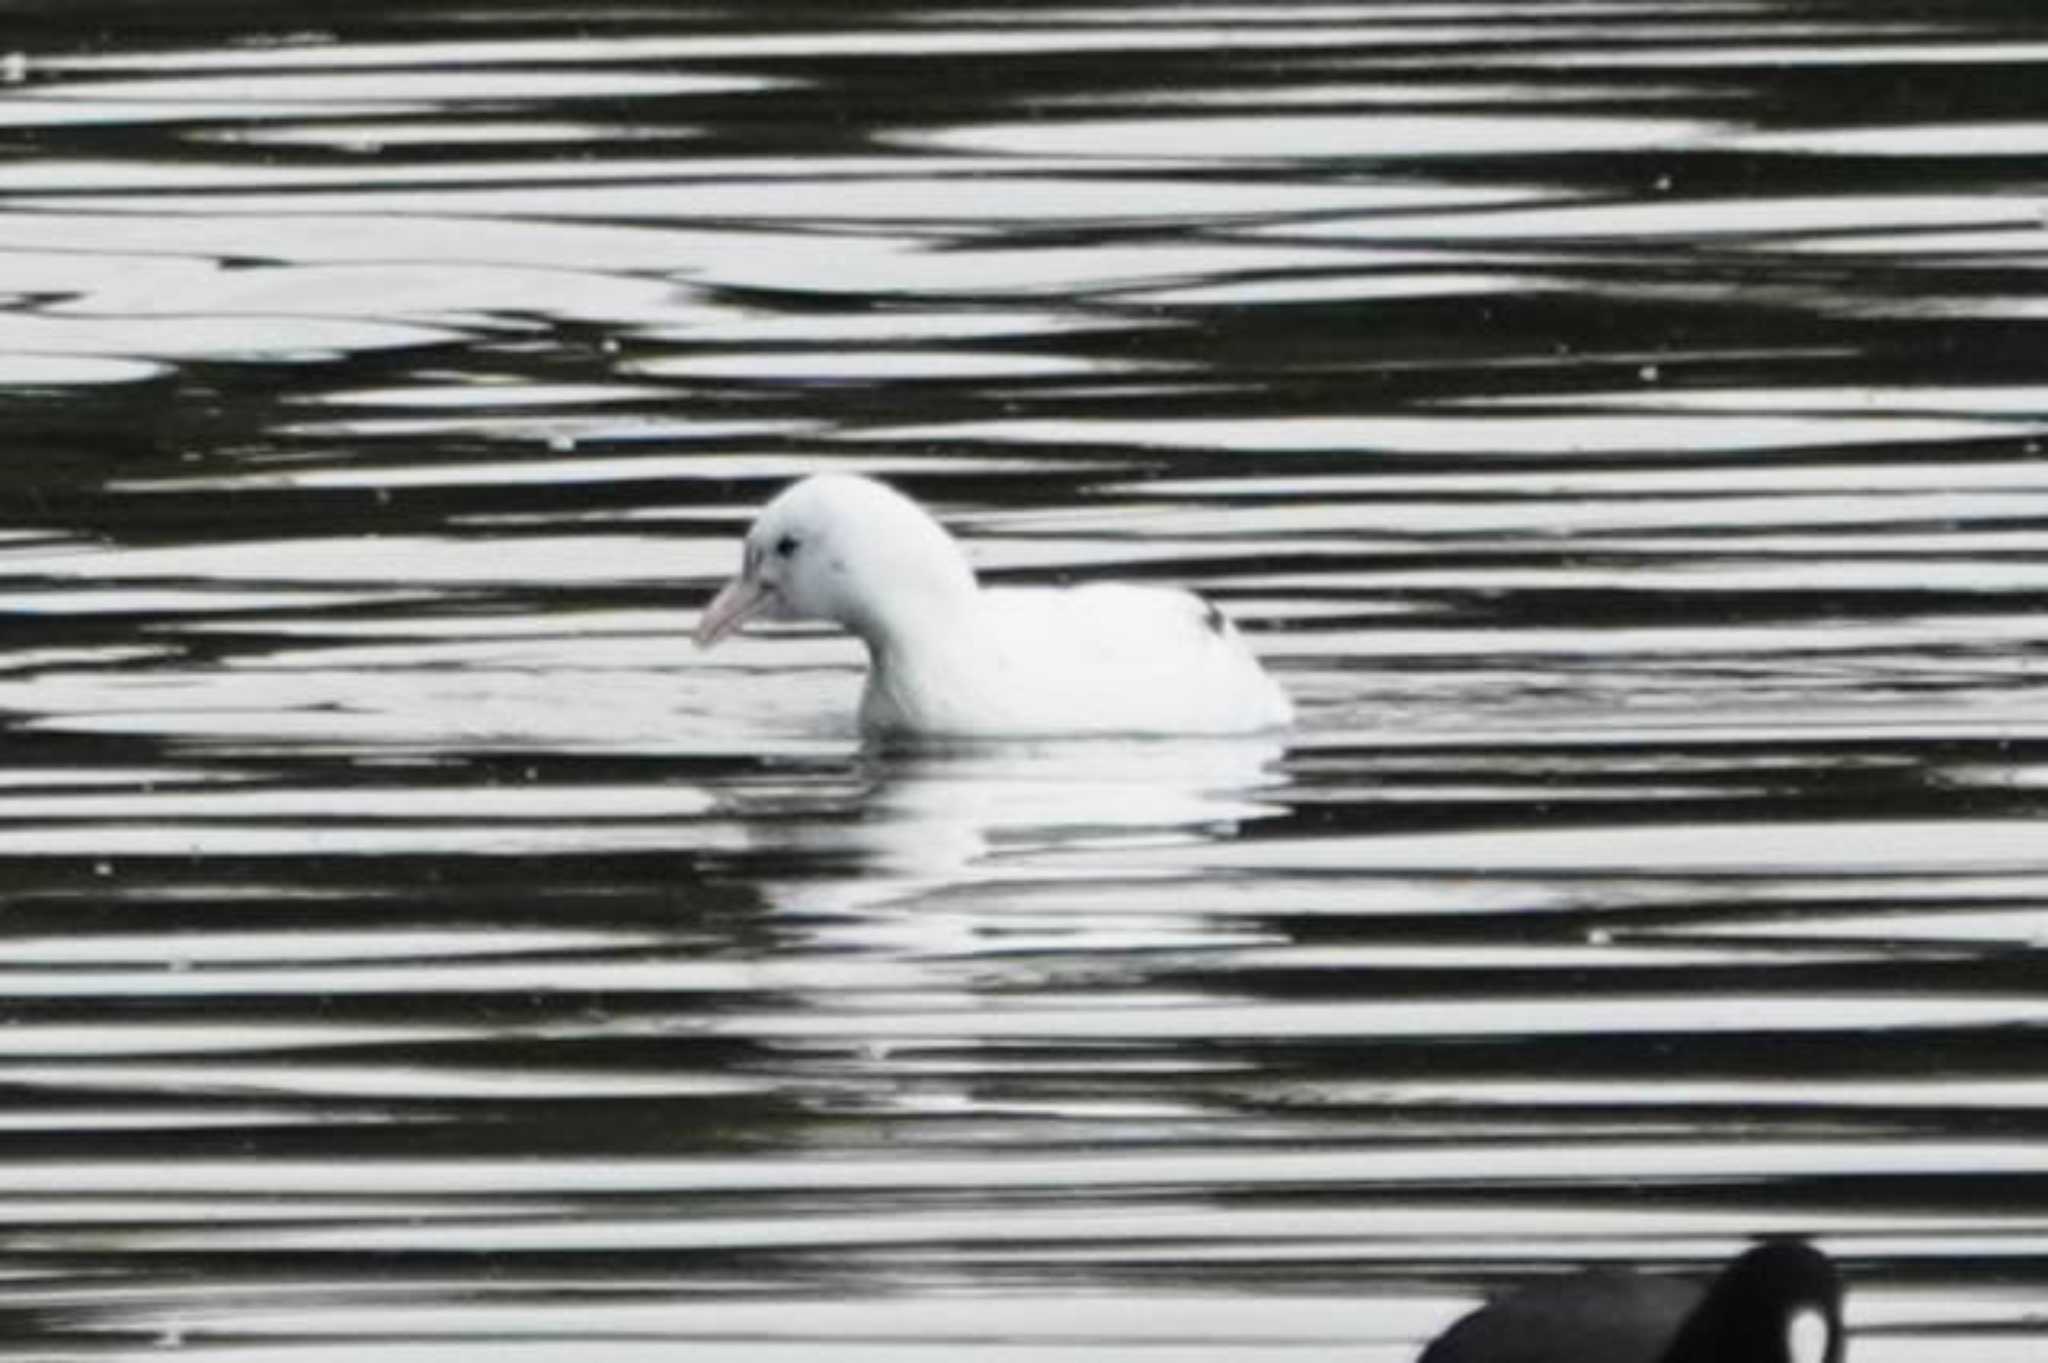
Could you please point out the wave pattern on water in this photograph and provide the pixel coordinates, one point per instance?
(1619, 425)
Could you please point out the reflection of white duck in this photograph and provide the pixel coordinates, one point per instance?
(951, 658)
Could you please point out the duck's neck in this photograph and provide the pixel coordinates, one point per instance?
(935, 620)
(929, 667)
(914, 591)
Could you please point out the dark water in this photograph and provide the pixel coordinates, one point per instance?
(1619, 425)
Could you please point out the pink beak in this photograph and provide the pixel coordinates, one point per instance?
(740, 601)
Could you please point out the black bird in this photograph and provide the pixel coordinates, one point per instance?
(1778, 1302)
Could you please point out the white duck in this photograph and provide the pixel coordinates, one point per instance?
(950, 658)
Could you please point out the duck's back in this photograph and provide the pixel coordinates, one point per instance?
(1105, 658)
(1599, 1317)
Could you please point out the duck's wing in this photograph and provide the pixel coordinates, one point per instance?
(1099, 659)
(1110, 624)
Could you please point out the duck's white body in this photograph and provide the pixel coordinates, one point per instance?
(1098, 659)
(951, 658)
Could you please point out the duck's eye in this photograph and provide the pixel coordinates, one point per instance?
(785, 546)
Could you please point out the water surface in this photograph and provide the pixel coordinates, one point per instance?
(1618, 425)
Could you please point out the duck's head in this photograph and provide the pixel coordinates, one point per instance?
(1779, 1303)
(847, 549)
